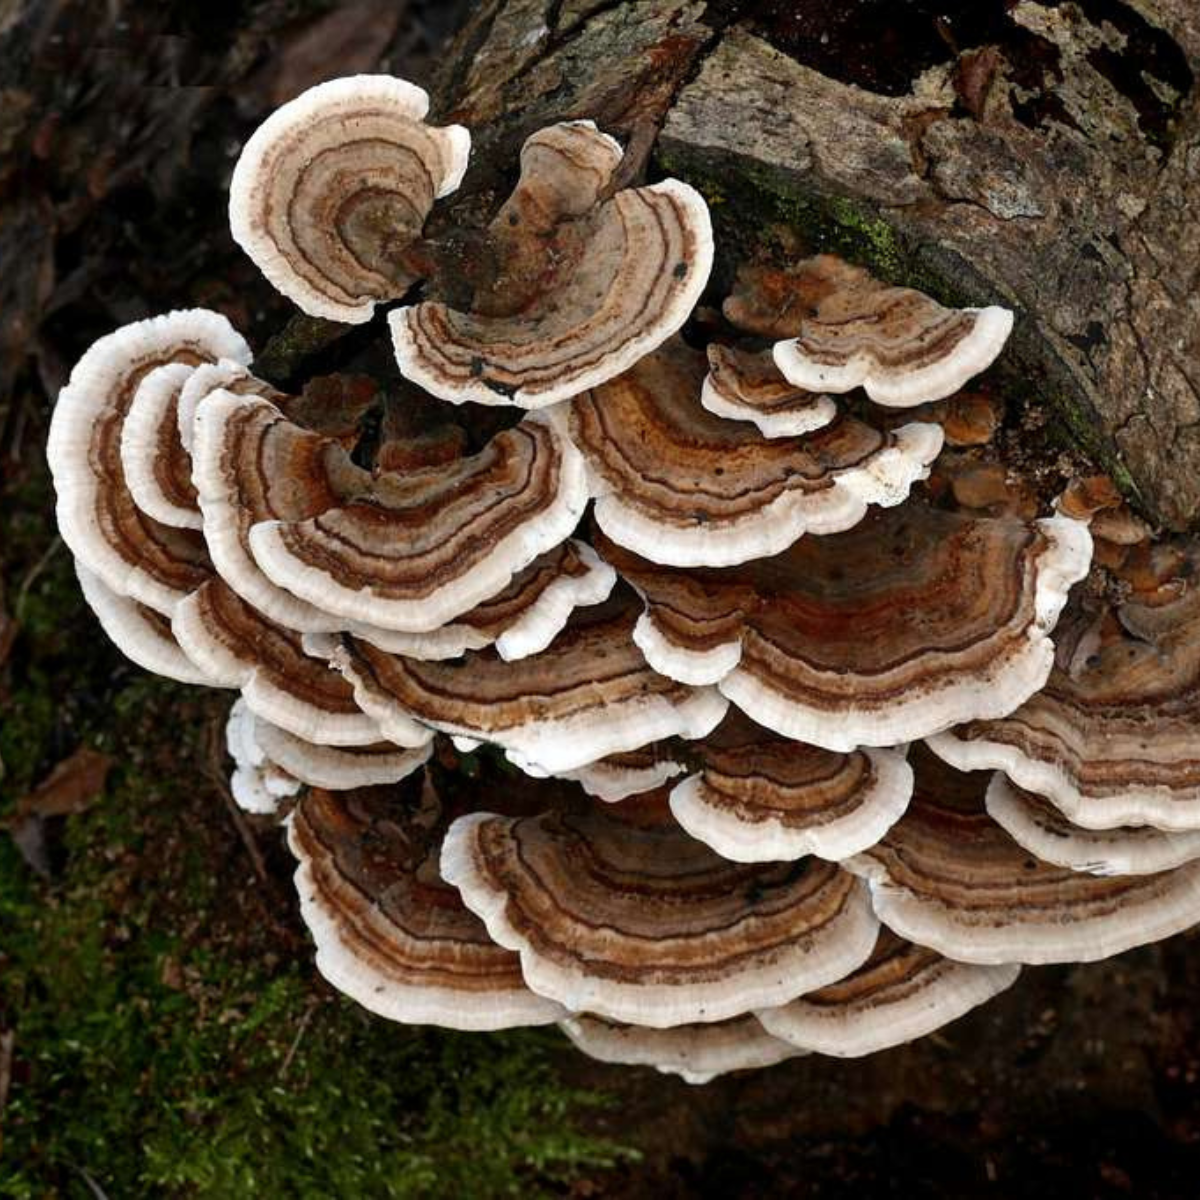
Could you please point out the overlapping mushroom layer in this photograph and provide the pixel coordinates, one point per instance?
(707, 690)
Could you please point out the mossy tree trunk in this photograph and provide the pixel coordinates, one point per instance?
(1044, 155)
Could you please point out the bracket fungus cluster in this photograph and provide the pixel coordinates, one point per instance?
(692, 605)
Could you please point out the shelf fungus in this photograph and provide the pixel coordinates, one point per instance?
(759, 797)
(620, 776)
(679, 485)
(334, 186)
(1111, 739)
(389, 932)
(1035, 824)
(949, 877)
(841, 329)
(590, 694)
(258, 784)
(129, 551)
(696, 1053)
(584, 281)
(745, 385)
(289, 516)
(914, 620)
(902, 992)
(615, 911)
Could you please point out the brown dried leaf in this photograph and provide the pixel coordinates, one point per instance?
(72, 787)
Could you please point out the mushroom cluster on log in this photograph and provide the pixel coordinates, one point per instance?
(782, 737)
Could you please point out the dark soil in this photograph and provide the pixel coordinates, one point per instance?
(119, 125)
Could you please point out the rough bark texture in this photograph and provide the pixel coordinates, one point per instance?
(1043, 155)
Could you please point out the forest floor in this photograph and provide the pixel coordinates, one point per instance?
(162, 1028)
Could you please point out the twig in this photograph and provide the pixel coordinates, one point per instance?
(305, 1019)
(214, 769)
(8, 1040)
(34, 571)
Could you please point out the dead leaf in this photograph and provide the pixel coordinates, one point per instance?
(71, 787)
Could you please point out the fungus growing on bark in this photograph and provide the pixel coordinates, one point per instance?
(696, 1053)
(679, 485)
(389, 932)
(583, 282)
(902, 992)
(745, 385)
(844, 329)
(333, 187)
(759, 797)
(914, 620)
(615, 911)
(947, 876)
(588, 695)
(257, 784)
(629, 774)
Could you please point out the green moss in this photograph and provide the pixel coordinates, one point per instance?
(157, 1059)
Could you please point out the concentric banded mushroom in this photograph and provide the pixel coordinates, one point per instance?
(237, 647)
(333, 187)
(914, 620)
(583, 286)
(696, 1053)
(389, 932)
(257, 784)
(949, 877)
(1112, 738)
(845, 329)
(901, 992)
(130, 552)
(679, 485)
(742, 385)
(761, 798)
(588, 695)
(617, 913)
(620, 776)
(521, 620)
(1035, 824)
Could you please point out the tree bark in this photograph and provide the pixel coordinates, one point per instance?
(1041, 155)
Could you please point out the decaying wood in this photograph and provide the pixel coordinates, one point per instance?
(1054, 167)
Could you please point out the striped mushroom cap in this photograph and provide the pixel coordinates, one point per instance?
(758, 797)
(631, 773)
(583, 284)
(746, 385)
(616, 911)
(333, 187)
(696, 1053)
(237, 647)
(902, 992)
(913, 620)
(589, 694)
(679, 485)
(843, 329)
(521, 620)
(1035, 824)
(130, 552)
(389, 933)
(1112, 738)
(258, 784)
(320, 544)
(947, 876)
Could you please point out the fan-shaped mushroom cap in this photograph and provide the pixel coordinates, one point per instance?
(696, 1053)
(902, 992)
(620, 776)
(633, 920)
(901, 346)
(949, 877)
(761, 798)
(521, 620)
(913, 620)
(585, 286)
(158, 470)
(1034, 823)
(258, 785)
(747, 386)
(389, 932)
(207, 378)
(317, 543)
(131, 553)
(237, 647)
(141, 634)
(333, 186)
(588, 695)
(678, 485)
(1112, 738)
